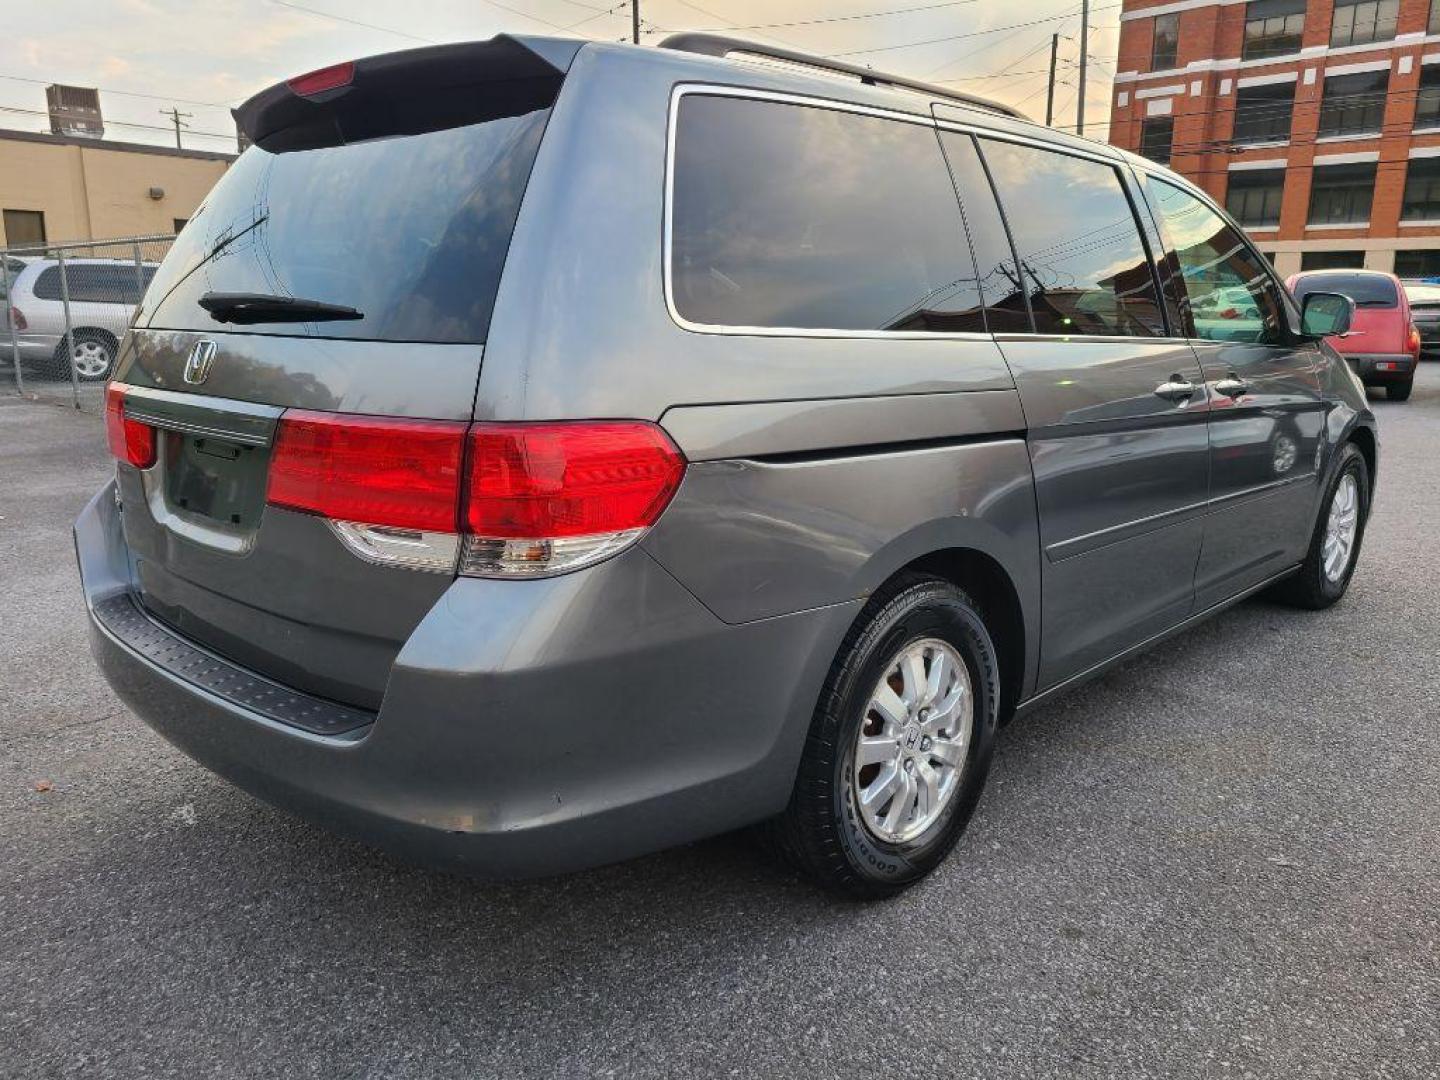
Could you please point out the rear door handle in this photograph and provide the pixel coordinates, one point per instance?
(1232, 387)
(1177, 389)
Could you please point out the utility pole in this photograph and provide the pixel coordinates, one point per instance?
(635, 21)
(1084, 62)
(1050, 91)
(175, 118)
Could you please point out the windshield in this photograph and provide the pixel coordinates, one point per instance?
(1367, 290)
(410, 231)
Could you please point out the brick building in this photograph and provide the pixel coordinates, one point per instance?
(1317, 124)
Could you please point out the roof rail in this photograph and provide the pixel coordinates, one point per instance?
(723, 46)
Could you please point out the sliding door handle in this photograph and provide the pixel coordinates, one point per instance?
(1232, 386)
(1177, 389)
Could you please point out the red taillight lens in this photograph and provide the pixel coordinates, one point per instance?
(129, 439)
(17, 319)
(400, 473)
(1412, 344)
(556, 480)
(327, 78)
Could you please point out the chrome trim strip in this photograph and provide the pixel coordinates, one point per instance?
(1204, 507)
(718, 90)
(169, 423)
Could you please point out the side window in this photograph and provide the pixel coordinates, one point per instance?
(798, 217)
(1232, 295)
(1006, 311)
(1083, 262)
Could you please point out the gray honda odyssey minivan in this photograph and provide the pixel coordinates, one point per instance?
(536, 452)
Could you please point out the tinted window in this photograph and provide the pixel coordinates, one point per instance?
(1084, 264)
(1157, 138)
(1166, 42)
(1427, 100)
(1263, 113)
(1273, 27)
(1231, 292)
(1255, 196)
(410, 230)
(1422, 190)
(1354, 104)
(1332, 260)
(800, 217)
(1358, 22)
(1367, 290)
(90, 283)
(1418, 264)
(1342, 193)
(1005, 308)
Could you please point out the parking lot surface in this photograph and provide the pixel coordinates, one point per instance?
(1220, 860)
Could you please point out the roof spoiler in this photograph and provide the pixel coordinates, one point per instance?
(409, 92)
(723, 46)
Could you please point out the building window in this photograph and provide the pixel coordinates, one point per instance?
(1427, 100)
(1341, 194)
(1255, 196)
(1165, 49)
(1157, 136)
(1354, 104)
(1273, 27)
(1359, 22)
(1422, 190)
(1262, 113)
(178, 224)
(1434, 24)
(1332, 260)
(1417, 264)
(24, 227)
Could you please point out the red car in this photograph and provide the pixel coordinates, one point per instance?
(1383, 346)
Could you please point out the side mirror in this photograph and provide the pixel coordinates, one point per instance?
(1325, 315)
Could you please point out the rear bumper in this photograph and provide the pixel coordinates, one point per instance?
(527, 727)
(1379, 369)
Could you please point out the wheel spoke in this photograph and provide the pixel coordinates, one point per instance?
(875, 750)
(951, 753)
(901, 804)
(927, 781)
(880, 789)
(939, 678)
(912, 670)
(888, 704)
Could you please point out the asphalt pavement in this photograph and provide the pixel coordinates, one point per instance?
(1220, 860)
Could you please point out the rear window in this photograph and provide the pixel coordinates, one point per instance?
(411, 231)
(1367, 290)
(89, 283)
(798, 217)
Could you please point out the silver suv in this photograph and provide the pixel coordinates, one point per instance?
(103, 294)
(536, 453)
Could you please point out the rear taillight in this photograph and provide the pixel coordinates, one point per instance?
(1412, 342)
(544, 498)
(130, 440)
(17, 319)
(379, 471)
(327, 78)
(534, 499)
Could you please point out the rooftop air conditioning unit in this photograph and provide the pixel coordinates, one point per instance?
(74, 110)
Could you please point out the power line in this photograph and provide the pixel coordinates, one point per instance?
(124, 93)
(124, 124)
(353, 22)
(842, 18)
(971, 34)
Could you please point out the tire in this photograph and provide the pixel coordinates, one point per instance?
(1400, 391)
(94, 356)
(1312, 586)
(824, 832)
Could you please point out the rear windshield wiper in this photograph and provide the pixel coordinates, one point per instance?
(264, 308)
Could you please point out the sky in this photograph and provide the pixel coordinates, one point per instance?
(205, 56)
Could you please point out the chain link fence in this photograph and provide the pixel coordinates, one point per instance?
(66, 307)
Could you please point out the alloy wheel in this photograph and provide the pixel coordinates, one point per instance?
(913, 741)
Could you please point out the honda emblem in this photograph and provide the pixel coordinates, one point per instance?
(197, 365)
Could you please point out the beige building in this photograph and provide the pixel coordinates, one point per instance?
(57, 188)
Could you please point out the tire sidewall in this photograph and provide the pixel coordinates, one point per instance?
(935, 612)
(1350, 461)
